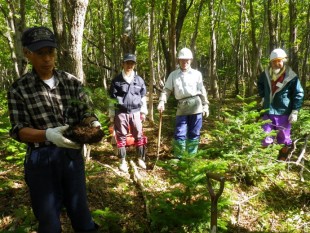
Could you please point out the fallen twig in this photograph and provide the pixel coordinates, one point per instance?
(138, 180)
(114, 170)
(303, 150)
(239, 203)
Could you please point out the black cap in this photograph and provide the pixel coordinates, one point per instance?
(38, 37)
(129, 57)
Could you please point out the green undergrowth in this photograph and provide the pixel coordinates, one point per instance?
(260, 193)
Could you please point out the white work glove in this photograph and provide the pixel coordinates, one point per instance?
(262, 102)
(95, 124)
(293, 116)
(161, 106)
(205, 110)
(55, 135)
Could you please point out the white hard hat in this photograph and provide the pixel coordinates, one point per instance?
(185, 53)
(278, 53)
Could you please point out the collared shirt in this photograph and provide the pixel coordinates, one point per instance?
(130, 97)
(128, 78)
(32, 103)
(287, 97)
(185, 84)
(188, 89)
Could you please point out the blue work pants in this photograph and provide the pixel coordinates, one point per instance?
(56, 179)
(188, 127)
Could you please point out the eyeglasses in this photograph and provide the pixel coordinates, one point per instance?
(42, 53)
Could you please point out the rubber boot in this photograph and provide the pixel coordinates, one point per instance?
(192, 146)
(123, 164)
(141, 156)
(284, 152)
(179, 147)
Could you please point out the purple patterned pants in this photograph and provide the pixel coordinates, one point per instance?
(282, 125)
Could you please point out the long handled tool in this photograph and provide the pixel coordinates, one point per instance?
(214, 198)
(159, 136)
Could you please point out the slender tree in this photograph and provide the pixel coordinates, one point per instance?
(128, 41)
(70, 35)
(172, 35)
(213, 52)
(293, 35)
(150, 58)
(198, 13)
(14, 15)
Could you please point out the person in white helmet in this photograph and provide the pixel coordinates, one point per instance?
(282, 97)
(187, 86)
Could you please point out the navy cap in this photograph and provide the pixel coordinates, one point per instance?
(36, 38)
(129, 57)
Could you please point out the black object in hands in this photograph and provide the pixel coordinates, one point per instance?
(84, 134)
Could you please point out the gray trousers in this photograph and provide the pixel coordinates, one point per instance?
(125, 123)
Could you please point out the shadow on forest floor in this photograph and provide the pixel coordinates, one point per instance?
(119, 204)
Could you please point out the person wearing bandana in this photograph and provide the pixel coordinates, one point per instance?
(282, 97)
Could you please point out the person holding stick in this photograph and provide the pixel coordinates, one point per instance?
(187, 86)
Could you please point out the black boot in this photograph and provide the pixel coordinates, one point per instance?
(284, 152)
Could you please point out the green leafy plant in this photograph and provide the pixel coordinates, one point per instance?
(13, 150)
(237, 139)
(185, 207)
(107, 220)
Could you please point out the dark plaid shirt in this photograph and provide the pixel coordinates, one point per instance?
(32, 103)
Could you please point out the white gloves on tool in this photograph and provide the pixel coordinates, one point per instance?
(95, 124)
(55, 135)
(293, 116)
(161, 106)
(205, 110)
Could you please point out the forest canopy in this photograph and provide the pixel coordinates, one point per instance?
(231, 40)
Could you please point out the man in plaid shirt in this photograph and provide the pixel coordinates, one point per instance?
(54, 166)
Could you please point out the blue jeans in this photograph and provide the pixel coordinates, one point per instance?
(56, 179)
(188, 127)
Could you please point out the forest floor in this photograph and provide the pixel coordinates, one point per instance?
(121, 202)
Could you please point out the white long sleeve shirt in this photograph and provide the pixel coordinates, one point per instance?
(188, 89)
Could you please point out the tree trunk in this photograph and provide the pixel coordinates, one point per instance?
(128, 41)
(256, 50)
(150, 58)
(237, 51)
(70, 38)
(163, 40)
(272, 26)
(182, 13)
(172, 36)
(305, 67)
(213, 51)
(293, 36)
(194, 36)
(114, 40)
(15, 21)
